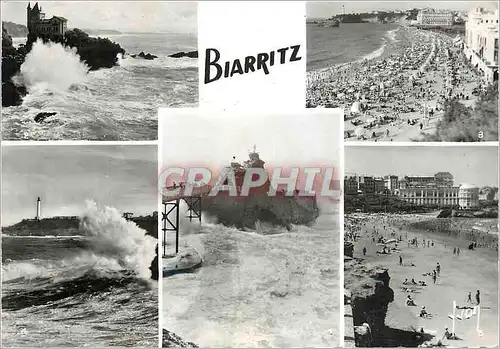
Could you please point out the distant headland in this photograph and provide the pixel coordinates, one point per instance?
(70, 225)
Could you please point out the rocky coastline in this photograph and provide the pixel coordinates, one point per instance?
(370, 295)
(171, 340)
(96, 53)
(245, 212)
(70, 226)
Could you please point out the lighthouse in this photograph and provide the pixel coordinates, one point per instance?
(38, 209)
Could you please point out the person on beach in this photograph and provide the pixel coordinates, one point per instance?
(478, 300)
(409, 301)
(423, 312)
(469, 298)
(438, 269)
(364, 251)
(434, 277)
(447, 334)
(454, 250)
(400, 260)
(458, 251)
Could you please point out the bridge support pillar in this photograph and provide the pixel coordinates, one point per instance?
(194, 207)
(170, 224)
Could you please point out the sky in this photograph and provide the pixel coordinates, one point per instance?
(476, 165)
(126, 16)
(326, 9)
(296, 138)
(64, 177)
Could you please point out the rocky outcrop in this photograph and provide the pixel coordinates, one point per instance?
(370, 298)
(190, 54)
(348, 249)
(171, 340)
(244, 212)
(40, 117)
(11, 65)
(155, 274)
(147, 56)
(96, 53)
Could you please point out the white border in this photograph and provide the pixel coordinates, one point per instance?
(421, 144)
(160, 243)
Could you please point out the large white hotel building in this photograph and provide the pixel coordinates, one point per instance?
(481, 41)
(437, 190)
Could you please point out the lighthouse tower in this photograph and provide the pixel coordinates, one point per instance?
(38, 209)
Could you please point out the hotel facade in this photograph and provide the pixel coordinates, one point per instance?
(437, 190)
(481, 42)
(433, 18)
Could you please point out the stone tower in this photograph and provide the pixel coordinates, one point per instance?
(34, 15)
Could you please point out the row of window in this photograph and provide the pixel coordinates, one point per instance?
(47, 29)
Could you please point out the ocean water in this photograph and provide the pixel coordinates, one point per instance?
(120, 103)
(271, 288)
(88, 290)
(328, 47)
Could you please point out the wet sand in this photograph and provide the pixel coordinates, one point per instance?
(460, 274)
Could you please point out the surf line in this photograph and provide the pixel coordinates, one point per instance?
(261, 61)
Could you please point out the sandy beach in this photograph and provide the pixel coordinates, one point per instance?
(398, 93)
(468, 271)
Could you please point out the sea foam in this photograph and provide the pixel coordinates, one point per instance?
(52, 66)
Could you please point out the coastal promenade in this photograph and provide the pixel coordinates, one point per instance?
(469, 271)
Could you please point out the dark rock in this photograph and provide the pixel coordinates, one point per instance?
(348, 248)
(370, 298)
(12, 94)
(171, 340)
(244, 212)
(363, 336)
(154, 266)
(190, 54)
(12, 60)
(96, 53)
(143, 55)
(40, 117)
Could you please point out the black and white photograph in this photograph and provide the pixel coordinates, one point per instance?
(421, 246)
(95, 70)
(406, 71)
(251, 246)
(79, 246)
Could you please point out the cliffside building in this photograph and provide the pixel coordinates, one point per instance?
(38, 24)
(481, 42)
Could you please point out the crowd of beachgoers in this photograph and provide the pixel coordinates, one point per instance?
(430, 270)
(401, 93)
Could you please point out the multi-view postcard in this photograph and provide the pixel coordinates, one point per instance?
(254, 174)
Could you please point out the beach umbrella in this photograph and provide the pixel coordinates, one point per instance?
(355, 107)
